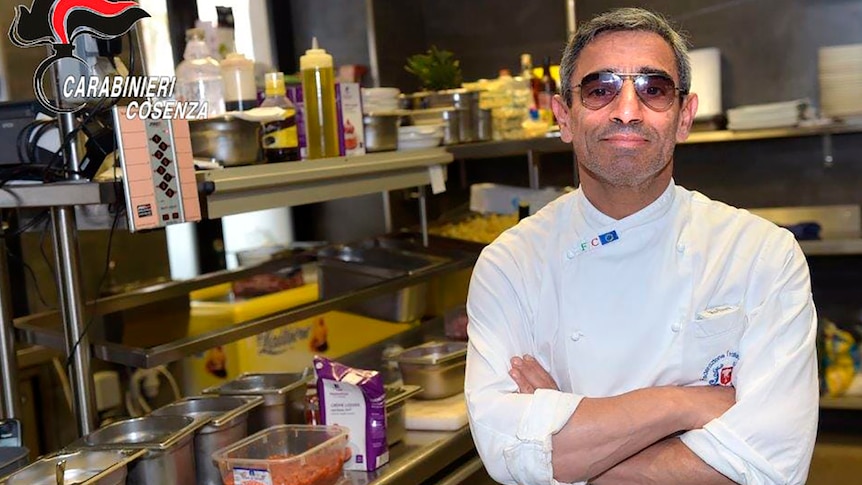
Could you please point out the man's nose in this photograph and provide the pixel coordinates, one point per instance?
(627, 107)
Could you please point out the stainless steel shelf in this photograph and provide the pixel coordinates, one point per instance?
(852, 403)
(836, 247)
(163, 291)
(51, 334)
(55, 194)
(245, 189)
(553, 144)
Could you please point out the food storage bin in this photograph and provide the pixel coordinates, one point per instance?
(396, 411)
(227, 423)
(169, 458)
(342, 269)
(287, 454)
(437, 367)
(283, 397)
(84, 467)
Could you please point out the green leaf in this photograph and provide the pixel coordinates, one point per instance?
(436, 69)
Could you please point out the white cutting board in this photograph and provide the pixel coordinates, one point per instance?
(446, 414)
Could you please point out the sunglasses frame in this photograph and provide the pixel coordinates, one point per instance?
(623, 76)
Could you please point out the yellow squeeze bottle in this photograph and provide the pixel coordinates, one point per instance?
(318, 94)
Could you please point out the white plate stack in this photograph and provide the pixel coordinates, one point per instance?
(840, 71)
(379, 100)
(770, 115)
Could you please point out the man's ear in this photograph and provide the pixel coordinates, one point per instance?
(561, 112)
(686, 117)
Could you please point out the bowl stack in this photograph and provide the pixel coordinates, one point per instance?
(840, 73)
(379, 100)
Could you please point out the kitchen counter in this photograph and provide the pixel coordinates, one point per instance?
(423, 455)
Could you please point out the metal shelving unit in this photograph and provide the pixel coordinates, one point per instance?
(223, 192)
(50, 334)
(244, 189)
(553, 144)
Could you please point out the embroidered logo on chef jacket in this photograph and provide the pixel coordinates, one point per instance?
(719, 371)
(598, 241)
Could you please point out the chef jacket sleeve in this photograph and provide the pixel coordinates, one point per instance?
(512, 431)
(768, 435)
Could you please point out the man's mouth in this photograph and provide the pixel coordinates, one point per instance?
(626, 140)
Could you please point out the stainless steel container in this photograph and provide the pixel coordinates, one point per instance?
(12, 458)
(381, 131)
(342, 269)
(83, 467)
(169, 457)
(438, 367)
(468, 102)
(485, 129)
(396, 411)
(228, 140)
(227, 423)
(283, 397)
(448, 117)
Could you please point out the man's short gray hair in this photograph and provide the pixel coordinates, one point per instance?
(620, 20)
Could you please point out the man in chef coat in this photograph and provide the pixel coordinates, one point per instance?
(634, 331)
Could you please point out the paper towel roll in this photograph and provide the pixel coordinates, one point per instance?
(706, 81)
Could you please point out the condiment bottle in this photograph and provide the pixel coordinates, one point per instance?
(199, 76)
(549, 89)
(318, 94)
(280, 140)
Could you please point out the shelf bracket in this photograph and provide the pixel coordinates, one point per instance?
(828, 158)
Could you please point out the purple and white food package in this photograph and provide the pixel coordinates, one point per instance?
(355, 399)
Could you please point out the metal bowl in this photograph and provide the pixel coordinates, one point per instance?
(227, 139)
(381, 132)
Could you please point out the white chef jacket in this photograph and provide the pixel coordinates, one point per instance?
(687, 291)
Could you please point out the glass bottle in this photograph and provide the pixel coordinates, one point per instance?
(280, 140)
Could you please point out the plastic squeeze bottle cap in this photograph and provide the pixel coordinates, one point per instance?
(315, 57)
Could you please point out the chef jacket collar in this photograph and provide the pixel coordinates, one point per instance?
(598, 221)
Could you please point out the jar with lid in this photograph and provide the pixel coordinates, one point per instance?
(240, 90)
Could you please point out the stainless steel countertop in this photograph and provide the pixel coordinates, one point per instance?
(418, 457)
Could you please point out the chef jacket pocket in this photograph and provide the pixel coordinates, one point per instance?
(717, 321)
(711, 346)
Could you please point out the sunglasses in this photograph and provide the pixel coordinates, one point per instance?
(655, 90)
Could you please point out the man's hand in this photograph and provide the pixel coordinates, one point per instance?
(529, 375)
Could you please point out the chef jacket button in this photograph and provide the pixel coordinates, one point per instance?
(675, 326)
(680, 247)
(570, 254)
(577, 336)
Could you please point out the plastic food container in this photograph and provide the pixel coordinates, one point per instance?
(286, 455)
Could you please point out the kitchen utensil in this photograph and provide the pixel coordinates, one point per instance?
(229, 140)
(227, 423)
(438, 367)
(283, 397)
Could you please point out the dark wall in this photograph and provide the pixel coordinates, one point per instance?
(769, 47)
(339, 26)
(485, 35)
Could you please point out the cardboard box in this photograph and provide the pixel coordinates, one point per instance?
(351, 139)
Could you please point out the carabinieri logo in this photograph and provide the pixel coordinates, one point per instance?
(56, 23)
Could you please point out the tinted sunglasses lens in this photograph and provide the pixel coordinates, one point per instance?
(599, 89)
(656, 90)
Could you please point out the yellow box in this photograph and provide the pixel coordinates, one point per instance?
(286, 349)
